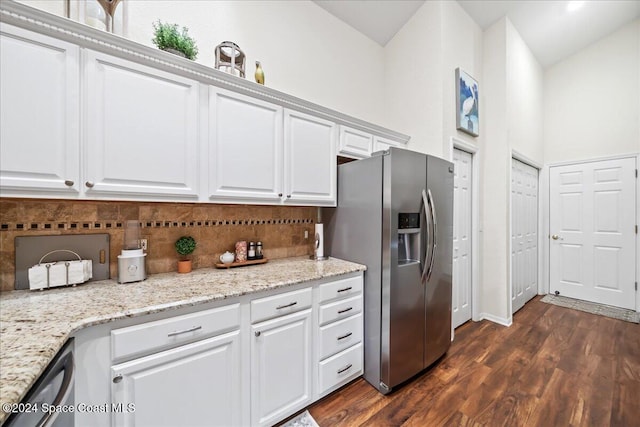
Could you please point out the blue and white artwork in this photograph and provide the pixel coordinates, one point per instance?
(467, 118)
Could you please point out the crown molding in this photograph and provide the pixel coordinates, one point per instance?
(84, 36)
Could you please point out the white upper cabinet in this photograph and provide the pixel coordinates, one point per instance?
(90, 115)
(245, 148)
(355, 143)
(141, 131)
(310, 159)
(39, 110)
(380, 144)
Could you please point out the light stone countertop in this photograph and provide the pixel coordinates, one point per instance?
(34, 325)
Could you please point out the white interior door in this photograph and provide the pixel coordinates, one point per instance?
(524, 233)
(462, 181)
(592, 226)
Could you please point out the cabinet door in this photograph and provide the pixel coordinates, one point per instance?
(245, 148)
(310, 159)
(195, 385)
(355, 143)
(142, 137)
(380, 144)
(39, 112)
(280, 367)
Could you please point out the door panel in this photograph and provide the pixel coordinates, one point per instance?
(145, 147)
(592, 226)
(524, 233)
(462, 182)
(39, 112)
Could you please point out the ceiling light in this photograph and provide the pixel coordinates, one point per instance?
(574, 5)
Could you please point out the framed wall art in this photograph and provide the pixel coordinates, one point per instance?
(467, 103)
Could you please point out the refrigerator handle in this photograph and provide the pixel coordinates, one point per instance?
(432, 209)
(424, 240)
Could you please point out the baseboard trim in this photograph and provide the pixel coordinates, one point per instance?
(495, 319)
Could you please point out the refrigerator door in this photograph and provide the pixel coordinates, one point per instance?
(437, 336)
(353, 231)
(403, 303)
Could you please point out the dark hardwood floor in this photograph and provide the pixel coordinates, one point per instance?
(553, 367)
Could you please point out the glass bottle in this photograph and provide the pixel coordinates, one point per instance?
(259, 250)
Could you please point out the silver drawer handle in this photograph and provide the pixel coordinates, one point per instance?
(287, 305)
(345, 289)
(345, 310)
(345, 336)
(346, 368)
(173, 334)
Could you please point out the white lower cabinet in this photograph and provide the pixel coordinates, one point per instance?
(280, 367)
(196, 384)
(339, 352)
(252, 360)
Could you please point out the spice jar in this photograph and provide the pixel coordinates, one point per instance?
(241, 251)
(251, 253)
(259, 250)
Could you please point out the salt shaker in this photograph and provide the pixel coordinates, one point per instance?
(251, 253)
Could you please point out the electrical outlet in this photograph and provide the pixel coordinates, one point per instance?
(306, 234)
(144, 244)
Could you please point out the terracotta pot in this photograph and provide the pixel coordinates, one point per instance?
(184, 266)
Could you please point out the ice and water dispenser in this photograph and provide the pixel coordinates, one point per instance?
(408, 238)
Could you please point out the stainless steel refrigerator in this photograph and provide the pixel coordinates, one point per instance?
(395, 215)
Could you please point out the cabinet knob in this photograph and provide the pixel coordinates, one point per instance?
(117, 378)
(89, 184)
(69, 183)
(257, 333)
(279, 194)
(288, 196)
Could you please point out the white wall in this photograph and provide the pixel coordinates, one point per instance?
(304, 51)
(495, 178)
(413, 80)
(513, 111)
(592, 100)
(461, 47)
(524, 97)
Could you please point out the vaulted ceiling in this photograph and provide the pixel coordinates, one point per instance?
(553, 30)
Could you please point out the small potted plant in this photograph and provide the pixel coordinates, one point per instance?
(170, 38)
(185, 246)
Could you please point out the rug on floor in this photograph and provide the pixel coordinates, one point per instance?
(302, 420)
(593, 308)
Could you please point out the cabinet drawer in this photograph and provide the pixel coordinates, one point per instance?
(340, 335)
(279, 305)
(340, 289)
(167, 333)
(340, 368)
(340, 309)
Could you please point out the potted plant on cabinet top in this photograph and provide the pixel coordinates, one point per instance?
(169, 38)
(185, 246)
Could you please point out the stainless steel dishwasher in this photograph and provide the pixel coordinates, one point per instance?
(50, 402)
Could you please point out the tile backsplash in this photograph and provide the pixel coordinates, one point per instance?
(216, 228)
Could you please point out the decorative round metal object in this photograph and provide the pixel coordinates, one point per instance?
(230, 59)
